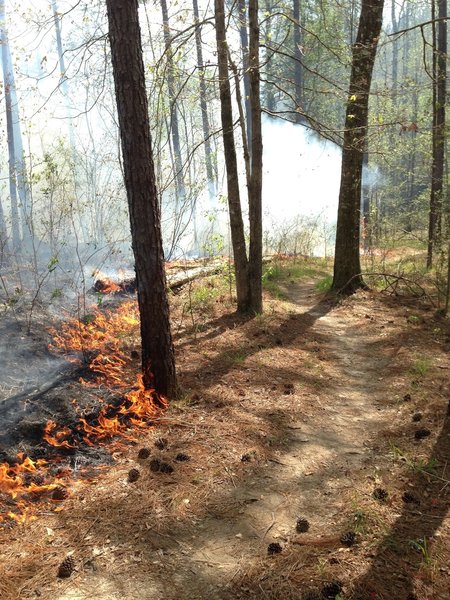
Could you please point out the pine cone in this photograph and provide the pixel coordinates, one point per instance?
(274, 548)
(60, 493)
(422, 433)
(348, 538)
(161, 443)
(331, 590)
(302, 525)
(155, 465)
(380, 494)
(133, 475)
(166, 468)
(67, 567)
(417, 417)
(407, 397)
(144, 453)
(182, 457)
(410, 498)
(246, 458)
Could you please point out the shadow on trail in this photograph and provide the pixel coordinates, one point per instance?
(395, 564)
(284, 335)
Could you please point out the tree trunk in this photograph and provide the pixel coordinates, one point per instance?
(243, 34)
(8, 86)
(174, 126)
(234, 202)
(439, 99)
(158, 364)
(269, 89)
(347, 268)
(255, 187)
(298, 75)
(211, 168)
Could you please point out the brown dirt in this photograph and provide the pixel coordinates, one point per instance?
(313, 394)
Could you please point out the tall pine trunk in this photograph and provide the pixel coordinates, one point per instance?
(8, 81)
(438, 143)
(243, 34)
(255, 187)
(234, 201)
(347, 268)
(158, 363)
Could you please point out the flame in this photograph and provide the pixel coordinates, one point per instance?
(58, 439)
(18, 482)
(100, 338)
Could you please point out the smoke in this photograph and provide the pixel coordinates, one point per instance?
(301, 172)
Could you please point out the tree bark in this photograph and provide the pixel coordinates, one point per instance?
(234, 201)
(256, 174)
(211, 168)
(174, 125)
(243, 34)
(347, 268)
(158, 363)
(8, 86)
(439, 100)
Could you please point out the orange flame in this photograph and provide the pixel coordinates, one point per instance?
(101, 337)
(19, 481)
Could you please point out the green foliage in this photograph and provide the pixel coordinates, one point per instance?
(420, 366)
(421, 545)
(203, 296)
(425, 465)
(324, 285)
(413, 319)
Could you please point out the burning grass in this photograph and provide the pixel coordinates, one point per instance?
(99, 340)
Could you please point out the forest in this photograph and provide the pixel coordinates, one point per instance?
(224, 299)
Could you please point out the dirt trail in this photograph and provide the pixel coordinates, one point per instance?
(295, 484)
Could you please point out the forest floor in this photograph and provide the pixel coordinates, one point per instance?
(336, 414)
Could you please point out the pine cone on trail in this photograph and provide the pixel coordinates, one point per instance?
(144, 453)
(67, 567)
(60, 493)
(302, 525)
(133, 475)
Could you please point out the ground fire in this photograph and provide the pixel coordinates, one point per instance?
(99, 343)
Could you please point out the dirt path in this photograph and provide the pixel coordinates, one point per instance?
(320, 462)
(287, 418)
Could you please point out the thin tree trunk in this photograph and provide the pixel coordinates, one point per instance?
(158, 363)
(8, 87)
(394, 23)
(174, 126)
(439, 99)
(347, 268)
(242, 10)
(234, 202)
(255, 187)
(269, 88)
(211, 169)
(298, 74)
